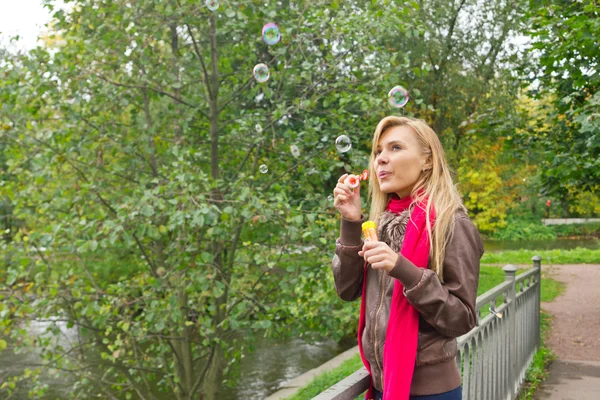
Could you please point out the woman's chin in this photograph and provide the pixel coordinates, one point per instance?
(387, 190)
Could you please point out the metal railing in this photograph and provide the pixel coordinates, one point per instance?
(493, 357)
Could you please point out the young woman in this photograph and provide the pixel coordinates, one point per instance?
(418, 283)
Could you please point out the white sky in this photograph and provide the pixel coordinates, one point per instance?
(23, 17)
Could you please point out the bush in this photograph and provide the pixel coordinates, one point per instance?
(524, 229)
(572, 230)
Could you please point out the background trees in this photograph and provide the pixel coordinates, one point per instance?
(151, 198)
(565, 40)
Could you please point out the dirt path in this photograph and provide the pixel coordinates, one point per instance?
(576, 313)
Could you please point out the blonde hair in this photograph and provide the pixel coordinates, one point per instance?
(435, 183)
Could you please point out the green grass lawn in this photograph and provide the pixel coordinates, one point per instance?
(489, 277)
(538, 370)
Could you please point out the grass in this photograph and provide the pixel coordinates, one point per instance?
(575, 256)
(489, 277)
(538, 370)
(328, 379)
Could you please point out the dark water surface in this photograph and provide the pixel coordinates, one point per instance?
(562, 244)
(262, 372)
(274, 363)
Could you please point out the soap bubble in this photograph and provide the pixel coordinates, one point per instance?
(261, 73)
(263, 169)
(212, 5)
(271, 34)
(295, 150)
(343, 143)
(398, 97)
(258, 128)
(330, 198)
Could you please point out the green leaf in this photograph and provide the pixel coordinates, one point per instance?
(147, 210)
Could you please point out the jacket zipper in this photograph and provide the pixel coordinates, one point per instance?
(375, 329)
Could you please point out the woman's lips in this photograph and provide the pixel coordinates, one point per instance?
(383, 174)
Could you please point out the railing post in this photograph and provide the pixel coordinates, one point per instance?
(511, 271)
(537, 264)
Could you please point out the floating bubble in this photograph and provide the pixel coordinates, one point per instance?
(261, 73)
(263, 169)
(343, 143)
(258, 128)
(330, 198)
(398, 97)
(295, 150)
(271, 34)
(212, 5)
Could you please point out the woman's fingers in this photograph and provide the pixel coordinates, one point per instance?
(340, 198)
(375, 259)
(340, 195)
(373, 249)
(345, 188)
(342, 178)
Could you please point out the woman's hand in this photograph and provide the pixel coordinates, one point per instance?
(347, 200)
(379, 255)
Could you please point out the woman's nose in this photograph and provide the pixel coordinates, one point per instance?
(381, 159)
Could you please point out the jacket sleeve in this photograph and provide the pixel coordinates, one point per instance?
(347, 265)
(449, 307)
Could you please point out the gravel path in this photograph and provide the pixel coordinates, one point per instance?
(575, 313)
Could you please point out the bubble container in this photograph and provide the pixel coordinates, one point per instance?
(370, 231)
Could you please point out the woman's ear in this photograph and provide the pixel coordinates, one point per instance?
(426, 164)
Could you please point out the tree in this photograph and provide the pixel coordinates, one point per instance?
(458, 63)
(565, 38)
(138, 143)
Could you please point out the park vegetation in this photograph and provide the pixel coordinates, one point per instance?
(150, 200)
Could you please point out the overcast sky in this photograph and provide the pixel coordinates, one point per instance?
(25, 18)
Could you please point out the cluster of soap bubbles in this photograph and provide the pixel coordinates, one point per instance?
(397, 97)
(271, 35)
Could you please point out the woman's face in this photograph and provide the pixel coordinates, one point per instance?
(399, 161)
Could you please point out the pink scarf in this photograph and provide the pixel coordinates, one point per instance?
(401, 337)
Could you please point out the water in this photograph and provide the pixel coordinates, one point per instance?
(12, 364)
(562, 244)
(276, 362)
(262, 372)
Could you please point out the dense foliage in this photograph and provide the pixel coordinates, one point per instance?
(151, 200)
(565, 39)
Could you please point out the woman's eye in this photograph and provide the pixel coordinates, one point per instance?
(396, 147)
(378, 152)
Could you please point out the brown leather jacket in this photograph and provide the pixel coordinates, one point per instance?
(447, 310)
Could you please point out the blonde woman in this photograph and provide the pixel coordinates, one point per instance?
(418, 282)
